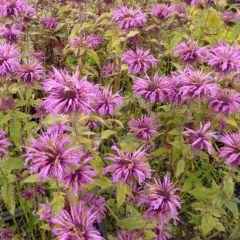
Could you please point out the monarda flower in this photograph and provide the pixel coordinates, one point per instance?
(128, 235)
(4, 144)
(49, 156)
(158, 89)
(128, 18)
(127, 166)
(162, 11)
(194, 84)
(162, 201)
(231, 151)
(6, 234)
(49, 22)
(225, 102)
(200, 139)
(9, 8)
(77, 224)
(45, 212)
(224, 58)
(139, 61)
(67, 94)
(11, 33)
(84, 174)
(144, 128)
(106, 102)
(9, 57)
(109, 69)
(229, 18)
(87, 41)
(6, 104)
(187, 51)
(193, 2)
(161, 232)
(97, 204)
(29, 72)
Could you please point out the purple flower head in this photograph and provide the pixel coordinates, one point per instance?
(109, 69)
(77, 224)
(159, 89)
(6, 234)
(139, 61)
(30, 12)
(9, 57)
(225, 102)
(28, 194)
(29, 72)
(229, 18)
(45, 212)
(161, 232)
(194, 84)
(97, 204)
(40, 191)
(7, 104)
(128, 18)
(87, 41)
(49, 157)
(144, 128)
(11, 33)
(4, 144)
(38, 55)
(200, 139)
(162, 11)
(15, 8)
(49, 22)
(128, 166)
(224, 58)
(187, 51)
(106, 102)
(84, 174)
(128, 235)
(231, 150)
(67, 94)
(193, 2)
(40, 111)
(162, 201)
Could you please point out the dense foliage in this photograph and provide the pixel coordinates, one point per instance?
(119, 119)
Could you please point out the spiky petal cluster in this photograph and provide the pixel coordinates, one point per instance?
(82, 175)
(128, 18)
(88, 41)
(49, 156)
(158, 89)
(161, 232)
(200, 139)
(10, 33)
(97, 204)
(127, 235)
(30, 71)
(229, 17)
(224, 58)
(45, 212)
(49, 22)
(231, 149)
(225, 102)
(67, 94)
(6, 234)
(9, 57)
(105, 101)
(77, 224)
(144, 128)
(162, 11)
(127, 166)
(187, 51)
(4, 143)
(194, 84)
(139, 61)
(162, 201)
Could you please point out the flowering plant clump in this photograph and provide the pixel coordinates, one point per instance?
(119, 120)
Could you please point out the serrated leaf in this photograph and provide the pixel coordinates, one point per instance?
(180, 167)
(107, 133)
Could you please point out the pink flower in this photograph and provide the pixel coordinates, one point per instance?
(159, 89)
(87, 41)
(15, 8)
(84, 174)
(127, 166)
(6, 234)
(106, 102)
(161, 232)
(77, 224)
(144, 128)
(229, 18)
(224, 58)
(4, 144)
(11, 34)
(225, 102)
(30, 71)
(139, 61)
(162, 11)
(128, 18)
(49, 23)
(67, 94)
(9, 57)
(231, 150)
(162, 201)
(200, 139)
(45, 212)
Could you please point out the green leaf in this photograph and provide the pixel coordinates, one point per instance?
(11, 163)
(180, 167)
(132, 223)
(92, 54)
(8, 196)
(121, 193)
(228, 186)
(107, 133)
(31, 179)
(57, 203)
(209, 223)
(15, 132)
(103, 182)
(233, 207)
